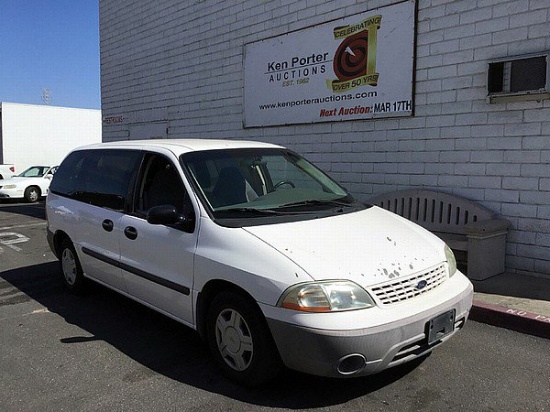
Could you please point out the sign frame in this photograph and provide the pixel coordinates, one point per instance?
(355, 68)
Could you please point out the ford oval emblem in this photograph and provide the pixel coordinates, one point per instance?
(421, 285)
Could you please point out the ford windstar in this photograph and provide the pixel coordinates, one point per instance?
(269, 259)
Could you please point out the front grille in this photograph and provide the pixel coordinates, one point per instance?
(400, 290)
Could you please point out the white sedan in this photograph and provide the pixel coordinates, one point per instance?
(30, 184)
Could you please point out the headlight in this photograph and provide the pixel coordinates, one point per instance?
(9, 186)
(330, 296)
(450, 260)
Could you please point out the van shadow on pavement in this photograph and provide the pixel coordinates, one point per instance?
(173, 350)
(35, 210)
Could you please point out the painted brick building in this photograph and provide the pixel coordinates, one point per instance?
(176, 69)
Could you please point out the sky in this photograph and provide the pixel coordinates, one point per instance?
(50, 45)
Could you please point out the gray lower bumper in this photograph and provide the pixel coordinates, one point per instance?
(334, 354)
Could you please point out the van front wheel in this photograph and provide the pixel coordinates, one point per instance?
(240, 340)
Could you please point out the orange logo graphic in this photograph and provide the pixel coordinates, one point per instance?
(354, 62)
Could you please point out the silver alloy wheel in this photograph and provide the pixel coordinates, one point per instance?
(234, 339)
(32, 194)
(68, 263)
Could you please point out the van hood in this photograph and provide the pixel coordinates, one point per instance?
(368, 247)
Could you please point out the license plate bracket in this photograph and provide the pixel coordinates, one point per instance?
(441, 326)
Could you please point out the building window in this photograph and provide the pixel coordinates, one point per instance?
(520, 78)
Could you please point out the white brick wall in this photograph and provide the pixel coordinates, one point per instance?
(185, 59)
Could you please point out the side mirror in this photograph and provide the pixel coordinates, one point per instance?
(168, 215)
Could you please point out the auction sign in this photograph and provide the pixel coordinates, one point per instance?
(359, 67)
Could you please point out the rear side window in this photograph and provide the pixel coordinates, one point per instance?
(99, 177)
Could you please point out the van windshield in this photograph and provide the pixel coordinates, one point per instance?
(259, 182)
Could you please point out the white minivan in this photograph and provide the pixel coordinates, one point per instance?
(267, 257)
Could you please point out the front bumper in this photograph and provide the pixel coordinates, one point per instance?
(370, 340)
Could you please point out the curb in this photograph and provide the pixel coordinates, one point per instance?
(513, 319)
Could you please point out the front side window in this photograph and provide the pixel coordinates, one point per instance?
(160, 184)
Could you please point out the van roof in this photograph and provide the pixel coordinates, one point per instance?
(180, 146)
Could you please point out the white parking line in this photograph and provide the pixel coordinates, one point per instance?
(12, 238)
(9, 238)
(25, 225)
(34, 312)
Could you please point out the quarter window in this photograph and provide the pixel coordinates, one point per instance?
(99, 177)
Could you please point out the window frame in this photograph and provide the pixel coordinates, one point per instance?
(187, 207)
(521, 95)
(84, 157)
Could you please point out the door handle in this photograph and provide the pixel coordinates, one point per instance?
(131, 232)
(108, 225)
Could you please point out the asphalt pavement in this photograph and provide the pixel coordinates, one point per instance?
(105, 352)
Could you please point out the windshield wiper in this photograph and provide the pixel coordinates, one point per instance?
(316, 202)
(248, 211)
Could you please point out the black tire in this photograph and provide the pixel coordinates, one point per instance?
(32, 194)
(240, 340)
(71, 269)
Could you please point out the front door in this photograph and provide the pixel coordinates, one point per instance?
(157, 260)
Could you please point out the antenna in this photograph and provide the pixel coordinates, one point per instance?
(46, 96)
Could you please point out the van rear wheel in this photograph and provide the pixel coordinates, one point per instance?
(71, 268)
(240, 340)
